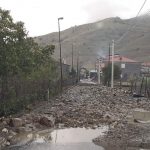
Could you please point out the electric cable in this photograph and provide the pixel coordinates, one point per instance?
(128, 30)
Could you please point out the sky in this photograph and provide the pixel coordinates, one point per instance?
(40, 16)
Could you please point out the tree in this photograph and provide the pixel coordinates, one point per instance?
(107, 73)
(22, 62)
(73, 72)
(19, 54)
(15, 46)
(10, 35)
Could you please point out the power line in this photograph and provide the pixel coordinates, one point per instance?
(147, 13)
(128, 30)
(112, 73)
(141, 8)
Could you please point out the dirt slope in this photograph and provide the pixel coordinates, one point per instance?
(92, 40)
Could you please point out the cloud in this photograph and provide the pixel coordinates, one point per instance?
(101, 9)
(97, 10)
(40, 16)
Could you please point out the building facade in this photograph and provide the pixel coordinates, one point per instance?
(129, 68)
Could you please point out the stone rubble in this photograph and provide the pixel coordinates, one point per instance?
(87, 106)
(47, 121)
(16, 122)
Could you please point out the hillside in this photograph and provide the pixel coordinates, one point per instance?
(92, 40)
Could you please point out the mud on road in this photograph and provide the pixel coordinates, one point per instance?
(87, 106)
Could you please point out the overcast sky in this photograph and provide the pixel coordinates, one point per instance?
(40, 16)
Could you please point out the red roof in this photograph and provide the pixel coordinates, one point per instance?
(118, 58)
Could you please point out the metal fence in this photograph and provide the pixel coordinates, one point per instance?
(23, 92)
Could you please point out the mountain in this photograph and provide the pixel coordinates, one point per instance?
(92, 40)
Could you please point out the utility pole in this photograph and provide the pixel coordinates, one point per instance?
(61, 73)
(98, 71)
(109, 54)
(78, 67)
(72, 56)
(109, 72)
(121, 72)
(112, 69)
(72, 70)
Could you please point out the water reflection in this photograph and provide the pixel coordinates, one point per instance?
(64, 139)
(75, 135)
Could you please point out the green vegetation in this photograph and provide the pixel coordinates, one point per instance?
(27, 71)
(73, 72)
(140, 85)
(107, 73)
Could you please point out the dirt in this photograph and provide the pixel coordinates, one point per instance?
(126, 136)
(87, 106)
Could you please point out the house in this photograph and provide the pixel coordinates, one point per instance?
(129, 67)
(145, 69)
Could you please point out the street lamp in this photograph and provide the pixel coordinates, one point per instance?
(99, 69)
(61, 73)
(120, 72)
(112, 69)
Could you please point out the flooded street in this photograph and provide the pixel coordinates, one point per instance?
(78, 81)
(77, 146)
(64, 139)
(76, 119)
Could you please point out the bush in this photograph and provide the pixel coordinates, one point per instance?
(107, 73)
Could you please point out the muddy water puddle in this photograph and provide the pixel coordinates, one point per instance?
(62, 139)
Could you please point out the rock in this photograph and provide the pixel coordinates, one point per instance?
(47, 121)
(114, 124)
(2, 142)
(2, 119)
(30, 136)
(5, 130)
(107, 116)
(29, 128)
(21, 129)
(7, 143)
(12, 133)
(82, 106)
(4, 122)
(9, 138)
(16, 122)
(36, 118)
(141, 115)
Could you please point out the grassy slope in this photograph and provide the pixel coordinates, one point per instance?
(92, 40)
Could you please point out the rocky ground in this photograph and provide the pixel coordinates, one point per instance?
(126, 136)
(87, 106)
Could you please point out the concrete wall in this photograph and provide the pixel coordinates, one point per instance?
(131, 69)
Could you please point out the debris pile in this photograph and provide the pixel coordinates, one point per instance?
(79, 106)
